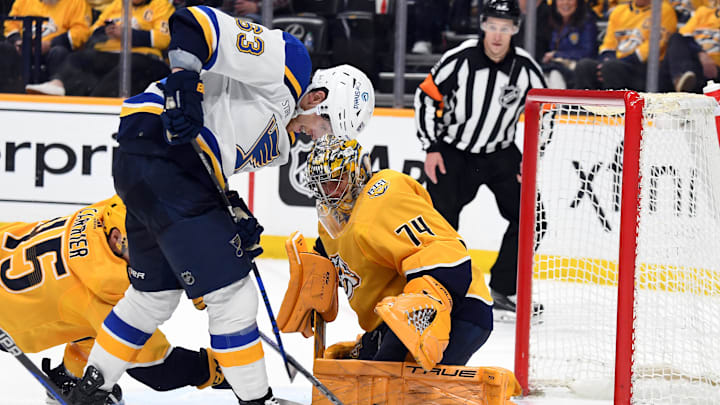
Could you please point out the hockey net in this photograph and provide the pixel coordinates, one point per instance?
(619, 242)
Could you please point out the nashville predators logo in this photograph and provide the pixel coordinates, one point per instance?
(263, 152)
(574, 38)
(348, 279)
(379, 188)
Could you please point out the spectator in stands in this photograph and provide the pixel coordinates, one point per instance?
(95, 71)
(684, 9)
(67, 29)
(625, 48)
(252, 9)
(574, 36)
(543, 31)
(603, 8)
(429, 18)
(693, 54)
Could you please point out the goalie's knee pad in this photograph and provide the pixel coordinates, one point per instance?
(420, 317)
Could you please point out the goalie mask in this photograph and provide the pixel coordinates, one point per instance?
(114, 218)
(349, 101)
(336, 172)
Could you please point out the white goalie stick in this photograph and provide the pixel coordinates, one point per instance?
(8, 344)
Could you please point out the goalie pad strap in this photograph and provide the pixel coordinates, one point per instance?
(313, 285)
(420, 317)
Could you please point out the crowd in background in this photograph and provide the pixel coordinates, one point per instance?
(594, 44)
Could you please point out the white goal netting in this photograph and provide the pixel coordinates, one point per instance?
(676, 352)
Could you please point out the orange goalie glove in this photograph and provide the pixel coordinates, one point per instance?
(420, 317)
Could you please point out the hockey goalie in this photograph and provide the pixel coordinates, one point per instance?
(407, 275)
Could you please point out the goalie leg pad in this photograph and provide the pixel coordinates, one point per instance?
(420, 317)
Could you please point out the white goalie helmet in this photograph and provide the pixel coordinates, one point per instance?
(350, 99)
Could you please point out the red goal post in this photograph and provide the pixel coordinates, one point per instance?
(567, 263)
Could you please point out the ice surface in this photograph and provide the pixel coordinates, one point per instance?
(188, 328)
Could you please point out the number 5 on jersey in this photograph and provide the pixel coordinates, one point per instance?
(416, 224)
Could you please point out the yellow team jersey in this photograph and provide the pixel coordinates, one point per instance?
(687, 6)
(628, 30)
(58, 281)
(66, 17)
(393, 232)
(601, 7)
(704, 26)
(152, 16)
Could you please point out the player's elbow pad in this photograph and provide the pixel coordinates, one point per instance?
(420, 317)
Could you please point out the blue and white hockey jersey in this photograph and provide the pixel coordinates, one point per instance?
(253, 79)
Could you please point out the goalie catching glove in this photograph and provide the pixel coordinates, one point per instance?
(420, 317)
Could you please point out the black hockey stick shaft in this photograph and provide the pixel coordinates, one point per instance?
(221, 190)
(314, 380)
(8, 344)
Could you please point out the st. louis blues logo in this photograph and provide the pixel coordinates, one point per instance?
(298, 158)
(237, 244)
(347, 279)
(263, 151)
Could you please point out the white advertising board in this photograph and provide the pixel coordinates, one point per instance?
(56, 156)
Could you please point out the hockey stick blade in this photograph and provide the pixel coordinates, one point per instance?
(8, 345)
(221, 190)
(314, 380)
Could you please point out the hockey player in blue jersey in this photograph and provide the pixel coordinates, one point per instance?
(242, 91)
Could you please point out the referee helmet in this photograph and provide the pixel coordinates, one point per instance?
(507, 9)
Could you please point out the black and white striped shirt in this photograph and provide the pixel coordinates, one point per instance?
(480, 100)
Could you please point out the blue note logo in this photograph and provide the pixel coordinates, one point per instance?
(263, 151)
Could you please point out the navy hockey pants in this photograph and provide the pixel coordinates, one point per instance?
(179, 234)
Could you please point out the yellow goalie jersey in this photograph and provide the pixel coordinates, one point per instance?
(704, 26)
(628, 30)
(394, 232)
(59, 279)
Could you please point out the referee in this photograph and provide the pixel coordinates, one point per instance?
(466, 111)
